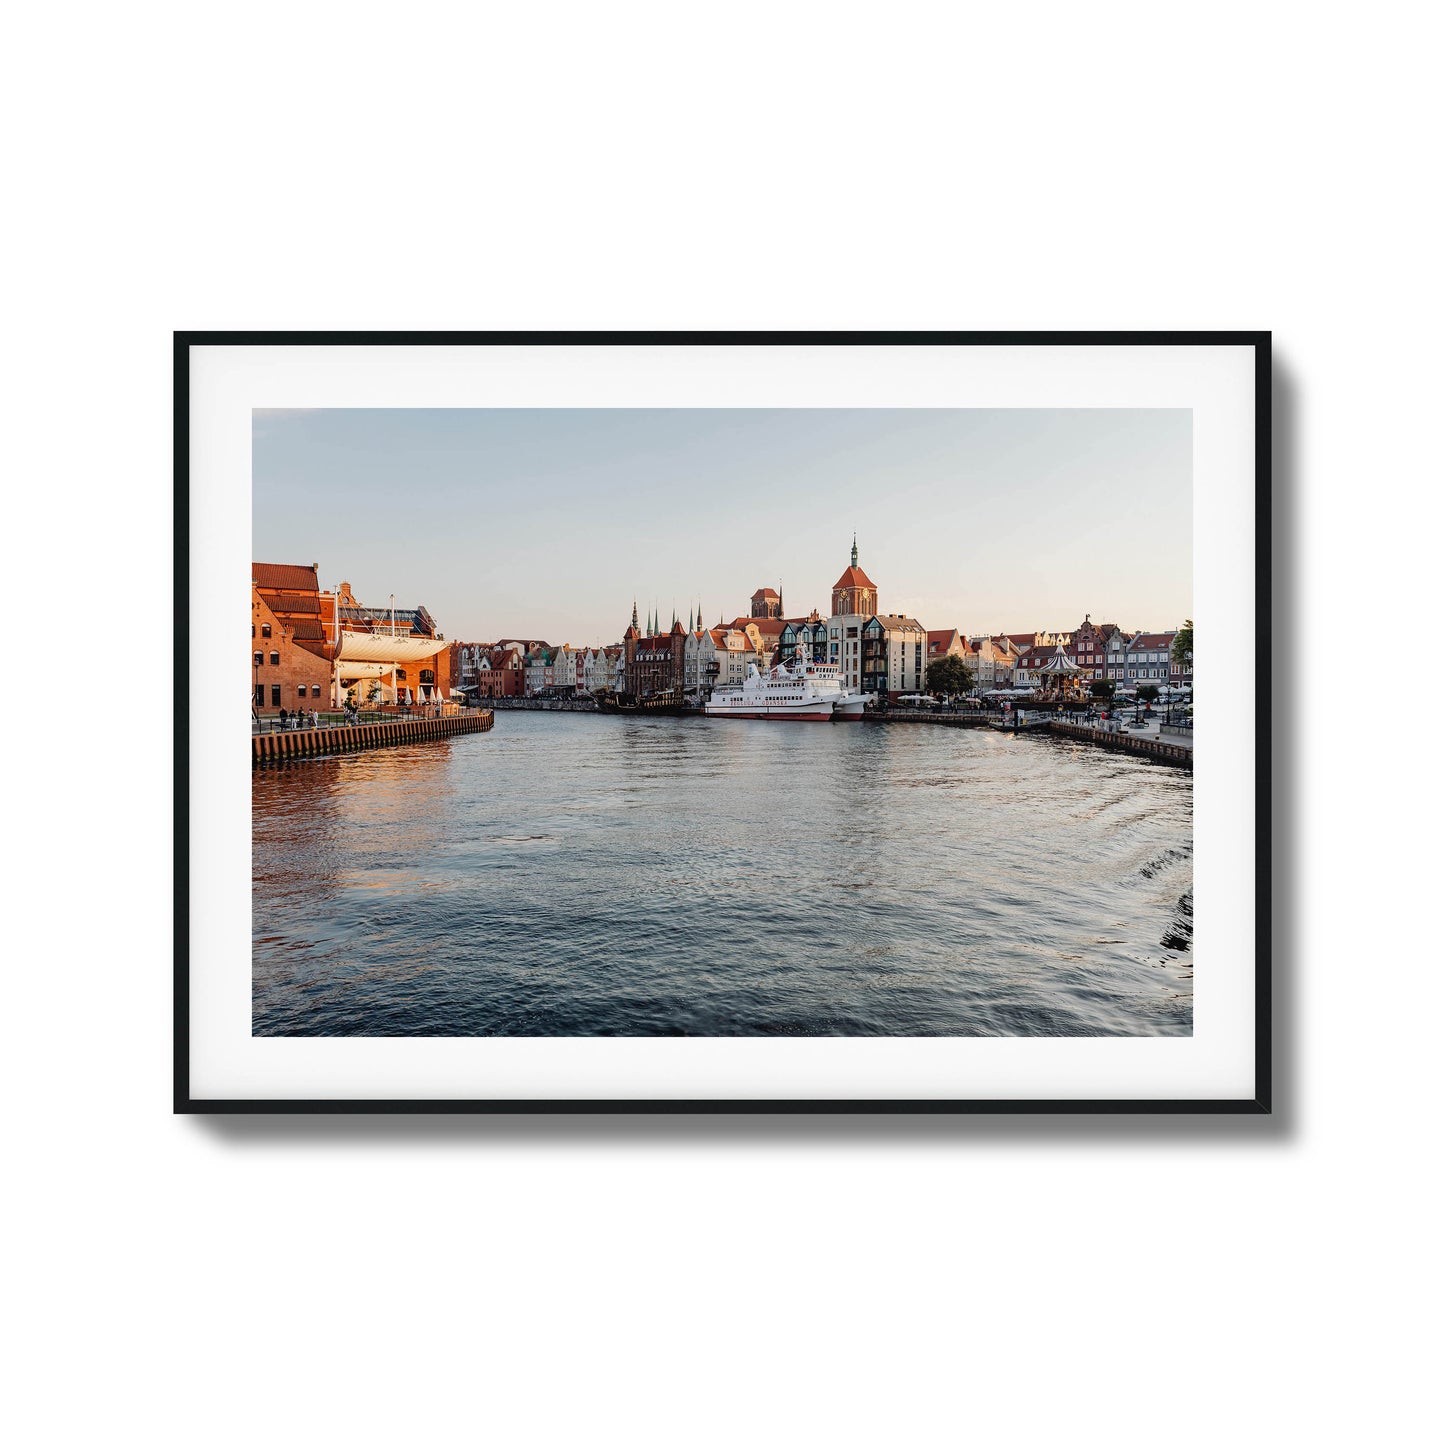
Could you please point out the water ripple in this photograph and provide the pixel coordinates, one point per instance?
(574, 875)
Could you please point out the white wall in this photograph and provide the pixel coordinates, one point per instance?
(173, 1280)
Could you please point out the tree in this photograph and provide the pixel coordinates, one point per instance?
(1101, 689)
(949, 675)
(1147, 693)
(1182, 650)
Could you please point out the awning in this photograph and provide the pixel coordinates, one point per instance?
(351, 671)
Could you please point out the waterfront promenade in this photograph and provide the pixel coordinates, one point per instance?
(273, 747)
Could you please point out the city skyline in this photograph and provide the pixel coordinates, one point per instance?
(546, 523)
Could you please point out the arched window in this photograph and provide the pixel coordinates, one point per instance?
(265, 629)
(275, 659)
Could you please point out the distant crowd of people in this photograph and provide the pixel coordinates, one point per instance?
(301, 718)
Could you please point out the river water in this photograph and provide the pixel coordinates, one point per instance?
(570, 874)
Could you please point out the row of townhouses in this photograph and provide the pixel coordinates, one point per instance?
(883, 653)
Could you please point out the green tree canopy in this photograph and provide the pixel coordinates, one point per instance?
(1182, 651)
(1101, 689)
(1147, 692)
(949, 675)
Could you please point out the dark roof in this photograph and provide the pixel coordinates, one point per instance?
(418, 619)
(280, 574)
(763, 592)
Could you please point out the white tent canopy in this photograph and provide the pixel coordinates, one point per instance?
(353, 671)
(383, 647)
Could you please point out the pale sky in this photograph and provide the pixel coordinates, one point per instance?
(545, 523)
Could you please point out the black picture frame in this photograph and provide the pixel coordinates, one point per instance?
(1261, 1103)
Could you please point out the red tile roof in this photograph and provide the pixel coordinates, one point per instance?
(853, 577)
(1153, 640)
(279, 574)
(308, 632)
(761, 593)
(283, 602)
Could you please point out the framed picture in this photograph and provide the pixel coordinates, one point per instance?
(722, 722)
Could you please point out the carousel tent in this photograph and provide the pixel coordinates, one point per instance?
(1059, 671)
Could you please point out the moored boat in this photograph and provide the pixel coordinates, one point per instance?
(806, 692)
(670, 703)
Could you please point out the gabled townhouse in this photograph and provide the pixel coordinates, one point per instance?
(1148, 659)
(947, 643)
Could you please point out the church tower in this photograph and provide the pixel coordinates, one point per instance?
(766, 603)
(854, 594)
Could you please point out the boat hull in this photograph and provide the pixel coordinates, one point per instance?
(774, 714)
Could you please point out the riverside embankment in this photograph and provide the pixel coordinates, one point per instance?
(274, 747)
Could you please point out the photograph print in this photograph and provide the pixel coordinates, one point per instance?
(722, 722)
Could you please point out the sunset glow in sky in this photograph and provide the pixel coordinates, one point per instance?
(546, 523)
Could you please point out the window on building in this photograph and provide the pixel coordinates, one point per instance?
(275, 694)
(315, 689)
(401, 674)
(265, 629)
(260, 694)
(300, 689)
(275, 659)
(260, 658)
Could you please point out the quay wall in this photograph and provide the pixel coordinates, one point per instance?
(276, 747)
(1174, 754)
(947, 720)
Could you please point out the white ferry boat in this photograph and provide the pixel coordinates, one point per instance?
(807, 691)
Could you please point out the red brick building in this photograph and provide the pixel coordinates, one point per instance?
(290, 651)
(767, 603)
(654, 664)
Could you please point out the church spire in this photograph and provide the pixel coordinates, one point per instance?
(634, 612)
(855, 549)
